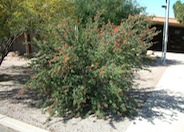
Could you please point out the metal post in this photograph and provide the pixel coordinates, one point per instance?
(166, 32)
(164, 6)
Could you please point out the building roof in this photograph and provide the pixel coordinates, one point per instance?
(172, 21)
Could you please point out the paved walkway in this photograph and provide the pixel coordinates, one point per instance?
(8, 124)
(164, 109)
(6, 129)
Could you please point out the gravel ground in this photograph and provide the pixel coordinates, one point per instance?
(23, 107)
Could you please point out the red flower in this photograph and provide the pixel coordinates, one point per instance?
(27, 72)
(31, 88)
(58, 71)
(50, 109)
(115, 30)
(150, 31)
(71, 66)
(99, 105)
(65, 58)
(64, 71)
(119, 90)
(118, 40)
(142, 35)
(103, 68)
(95, 18)
(23, 88)
(142, 42)
(21, 93)
(117, 44)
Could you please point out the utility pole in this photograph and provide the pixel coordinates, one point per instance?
(166, 32)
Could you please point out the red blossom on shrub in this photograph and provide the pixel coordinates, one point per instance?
(64, 71)
(23, 88)
(142, 35)
(115, 30)
(119, 90)
(56, 49)
(120, 51)
(21, 93)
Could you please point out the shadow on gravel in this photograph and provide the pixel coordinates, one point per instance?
(12, 79)
(22, 79)
(13, 95)
(169, 62)
(162, 105)
(14, 73)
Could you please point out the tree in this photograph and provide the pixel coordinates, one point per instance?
(179, 11)
(9, 25)
(113, 10)
(27, 17)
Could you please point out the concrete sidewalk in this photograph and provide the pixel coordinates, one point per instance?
(8, 124)
(164, 109)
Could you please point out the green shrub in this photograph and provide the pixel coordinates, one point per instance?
(89, 70)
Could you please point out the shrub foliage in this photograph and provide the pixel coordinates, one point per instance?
(82, 70)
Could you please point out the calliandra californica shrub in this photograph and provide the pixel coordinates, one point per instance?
(89, 69)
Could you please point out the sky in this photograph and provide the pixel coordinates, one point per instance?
(154, 7)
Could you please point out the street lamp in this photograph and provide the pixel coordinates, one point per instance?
(166, 32)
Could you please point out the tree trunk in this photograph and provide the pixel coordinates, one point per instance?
(6, 49)
(8, 45)
(28, 45)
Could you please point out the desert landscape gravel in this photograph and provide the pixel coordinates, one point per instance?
(23, 107)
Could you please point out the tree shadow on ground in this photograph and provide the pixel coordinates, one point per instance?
(163, 105)
(169, 62)
(20, 78)
(12, 79)
(13, 94)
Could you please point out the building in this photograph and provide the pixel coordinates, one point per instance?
(175, 35)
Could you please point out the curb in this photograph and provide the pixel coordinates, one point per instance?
(18, 125)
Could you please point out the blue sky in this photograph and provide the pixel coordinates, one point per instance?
(154, 7)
